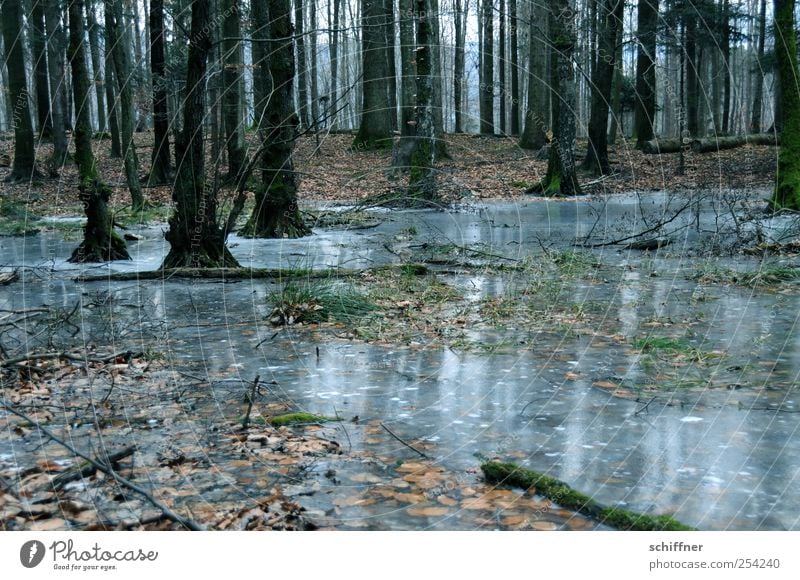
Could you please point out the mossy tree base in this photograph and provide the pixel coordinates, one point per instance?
(275, 218)
(100, 242)
(564, 495)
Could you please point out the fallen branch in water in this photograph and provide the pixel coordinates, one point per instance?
(88, 469)
(215, 273)
(126, 355)
(168, 513)
(389, 431)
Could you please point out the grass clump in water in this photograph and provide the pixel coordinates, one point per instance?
(315, 302)
(658, 343)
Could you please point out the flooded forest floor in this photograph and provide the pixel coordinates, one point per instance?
(638, 343)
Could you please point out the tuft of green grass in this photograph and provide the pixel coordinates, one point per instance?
(659, 343)
(16, 220)
(772, 275)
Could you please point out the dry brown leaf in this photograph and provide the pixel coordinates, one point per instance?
(48, 525)
(429, 512)
(410, 497)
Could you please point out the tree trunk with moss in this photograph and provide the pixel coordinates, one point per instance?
(611, 12)
(118, 37)
(561, 177)
(787, 186)
(276, 214)
(422, 179)
(375, 129)
(100, 242)
(23, 167)
(195, 237)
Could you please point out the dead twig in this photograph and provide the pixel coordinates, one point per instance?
(346, 434)
(250, 398)
(389, 431)
(643, 409)
(168, 513)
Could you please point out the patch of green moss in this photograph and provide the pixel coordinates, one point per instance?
(298, 419)
(564, 495)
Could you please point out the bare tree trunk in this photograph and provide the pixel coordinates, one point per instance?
(194, 235)
(408, 65)
(458, 68)
(692, 77)
(300, 50)
(645, 105)
(561, 177)
(758, 98)
(161, 166)
(23, 167)
(232, 63)
(375, 128)
(94, 30)
(516, 95)
(487, 68)
(276, 214)
(56, 48)
(122, 71)
(536, 117)
(422, 178)
(111, 101)
(334, 100)
(726, 67)
(314, 76)
(391, 73)
(501, 49)
(44, 123)
(100, 242)
(611, 13)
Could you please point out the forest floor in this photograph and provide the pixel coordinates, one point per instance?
(478, 168)
(199, 455)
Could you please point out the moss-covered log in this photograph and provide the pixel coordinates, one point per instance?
(280, 274)
(562, 494)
